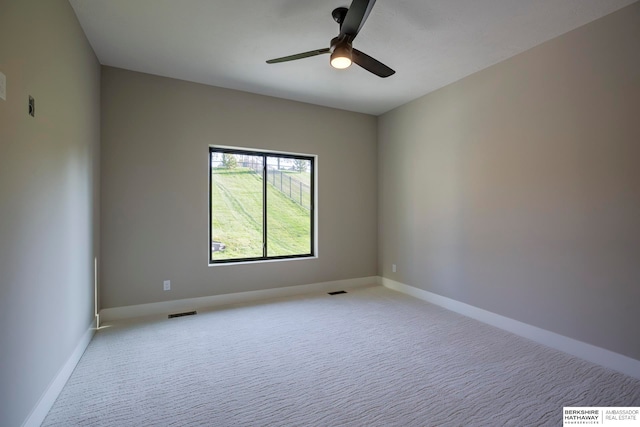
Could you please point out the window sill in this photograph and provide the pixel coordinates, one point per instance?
(262, 261)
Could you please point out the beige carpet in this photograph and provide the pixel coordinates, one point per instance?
(371, 357)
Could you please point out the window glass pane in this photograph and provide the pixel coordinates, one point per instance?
(260, 212)
(236, 206)
(288, 206)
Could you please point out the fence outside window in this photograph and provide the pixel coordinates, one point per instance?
(286, 183)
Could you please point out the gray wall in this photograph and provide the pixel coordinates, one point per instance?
(48, 197)
(155, 137)
(517, 189)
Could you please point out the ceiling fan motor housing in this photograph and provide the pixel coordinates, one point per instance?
(341, 53)
(339, 43)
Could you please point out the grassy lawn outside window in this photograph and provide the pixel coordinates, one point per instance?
(261, 205)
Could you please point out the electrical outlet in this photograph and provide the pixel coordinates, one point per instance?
(167, 285)
(393, 268)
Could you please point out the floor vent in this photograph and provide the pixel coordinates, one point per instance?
(337, 292)
(186, 313)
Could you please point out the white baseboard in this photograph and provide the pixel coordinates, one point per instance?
(49, 397)
(580, 349)
(168, 307)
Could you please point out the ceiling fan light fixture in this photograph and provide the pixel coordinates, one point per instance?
(341, 56)
(340, 62)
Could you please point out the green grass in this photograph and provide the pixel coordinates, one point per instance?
(236, 196)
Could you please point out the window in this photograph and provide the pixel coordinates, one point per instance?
(261, 205)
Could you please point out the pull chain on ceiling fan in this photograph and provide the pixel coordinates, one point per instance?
(342, 52)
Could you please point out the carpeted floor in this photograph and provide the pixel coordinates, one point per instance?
(371, 357)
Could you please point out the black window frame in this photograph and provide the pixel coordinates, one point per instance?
(264, 155)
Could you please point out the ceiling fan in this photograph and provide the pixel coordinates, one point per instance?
(342, 52)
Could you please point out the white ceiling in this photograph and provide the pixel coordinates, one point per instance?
(430, 43)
